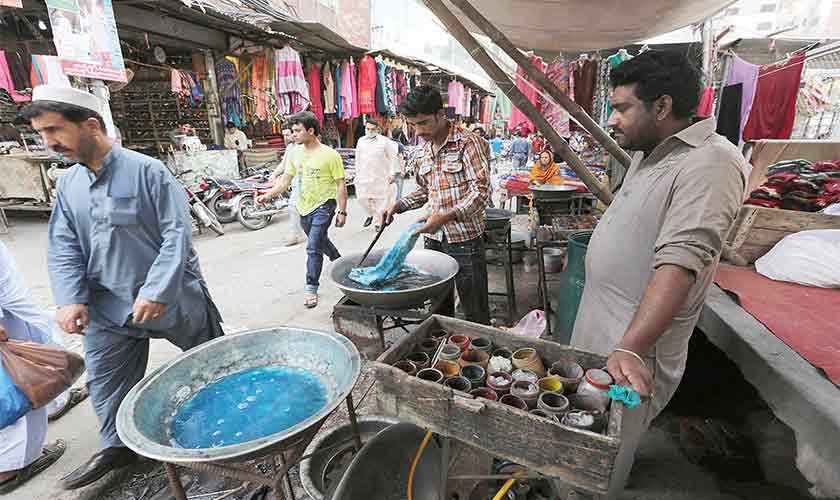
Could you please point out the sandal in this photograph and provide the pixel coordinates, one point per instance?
(310, 300)
(76, 396)
(49, 455)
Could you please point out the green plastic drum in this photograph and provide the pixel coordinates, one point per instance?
(566, 295)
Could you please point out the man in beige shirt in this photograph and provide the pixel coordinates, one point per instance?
(653, 256)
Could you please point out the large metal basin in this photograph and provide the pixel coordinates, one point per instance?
(436, 263)
(144, 418)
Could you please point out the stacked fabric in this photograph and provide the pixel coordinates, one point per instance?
(799, 185)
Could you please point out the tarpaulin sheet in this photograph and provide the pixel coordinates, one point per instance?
(805, 318)
(576, 25)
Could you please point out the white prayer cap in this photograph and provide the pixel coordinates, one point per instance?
(67, 95)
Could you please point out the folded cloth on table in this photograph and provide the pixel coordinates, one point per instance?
(391, 263)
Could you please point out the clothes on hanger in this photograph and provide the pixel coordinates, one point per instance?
(518, 118)
(292, 89)
(7, 83)
(729, 113)
(381, 101)
(314, 80)
(229, 94)
(707, 102)
(346, 93)
(19, 62)
(774, 107)
(604, 83)
(329, 89)
(339, 111)
(367, 85)
(558, 72)
(746, 74)
(584, 73)
(354, 91)
(259, 84)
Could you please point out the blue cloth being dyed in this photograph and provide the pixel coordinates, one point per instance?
(391, 264)
(247, 405)
(626, 395)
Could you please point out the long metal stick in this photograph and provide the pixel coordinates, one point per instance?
(373, 243)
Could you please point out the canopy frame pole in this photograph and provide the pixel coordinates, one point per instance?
(573, 108)
(477, 52)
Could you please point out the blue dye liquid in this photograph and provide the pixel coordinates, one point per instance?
(247, 405)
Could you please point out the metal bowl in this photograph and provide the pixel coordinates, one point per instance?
(144, 417)
(553, 259)
(429, 261)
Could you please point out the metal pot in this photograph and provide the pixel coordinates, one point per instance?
(428, 261)
(553, 259)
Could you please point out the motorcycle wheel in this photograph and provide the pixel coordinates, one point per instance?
(208, 218)
(244, 216)
(225, 215)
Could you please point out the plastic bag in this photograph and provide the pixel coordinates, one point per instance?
(807, 257)
(391, 263)
(532, 325)
(13, 402)
(39, 371)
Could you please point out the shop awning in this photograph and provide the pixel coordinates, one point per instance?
(575, 25)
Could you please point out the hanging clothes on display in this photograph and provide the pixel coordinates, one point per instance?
(231, 101)
(329, 90)
(292, 89)
(229, 95)
(529, 88)
(259, 84)
(455, 96)
(583, 75)
(314, 80)
(558, 72)
(729, 113)
(346, 92)
(19, 62)
(381, 102)
(603, 94)
(367, 85)
(745, 74)
(503, 106)
(354, 91)
(339, 110)
(7, 82)
(707, 102)
(389, 91)
(774, 107)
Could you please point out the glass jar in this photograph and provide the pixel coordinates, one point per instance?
(596, 383)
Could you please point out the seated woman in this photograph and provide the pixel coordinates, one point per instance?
(545, 171)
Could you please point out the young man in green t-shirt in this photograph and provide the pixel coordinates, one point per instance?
(322, 190)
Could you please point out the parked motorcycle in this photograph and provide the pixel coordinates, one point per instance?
(202, 215)
(256, 215)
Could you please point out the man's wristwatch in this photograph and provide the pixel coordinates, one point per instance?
(341, 212)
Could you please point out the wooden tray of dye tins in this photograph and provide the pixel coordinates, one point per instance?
(577, 457)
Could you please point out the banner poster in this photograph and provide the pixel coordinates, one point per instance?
(86, 39)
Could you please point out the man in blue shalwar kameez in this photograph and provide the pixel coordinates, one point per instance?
(121, 261)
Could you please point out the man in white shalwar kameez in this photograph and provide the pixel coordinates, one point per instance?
(377, 162)
(22, 451)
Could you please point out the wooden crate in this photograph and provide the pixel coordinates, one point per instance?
(577, 457)
(757, 229)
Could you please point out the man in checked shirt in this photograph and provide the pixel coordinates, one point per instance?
(452, 174)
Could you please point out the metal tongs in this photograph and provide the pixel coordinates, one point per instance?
(373, 243)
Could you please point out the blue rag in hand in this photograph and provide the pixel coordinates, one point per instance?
(391, 264)
(626, 395)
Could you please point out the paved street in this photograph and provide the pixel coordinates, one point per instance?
(255, 281)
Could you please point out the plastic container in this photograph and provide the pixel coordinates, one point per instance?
(553, 402)
(448, 368)
(551, 383)
(526, 391)
(514, 401)
(420, 359)
(474, 357)
(481, 344)
(485, 393)
(596, 383)
(475, 374)
(522, 374)
(569, 372)
(500, 382)
(406, 366)
(450, 352)
(462, 341)
(570, 289)
(544, 414)
(527, 358)
(458, 383)
(431, 375)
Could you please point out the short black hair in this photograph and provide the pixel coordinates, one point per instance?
(307, 120)
(70, 112)
(424, 100)
(660, 72)
(371, 121)
(230, 125)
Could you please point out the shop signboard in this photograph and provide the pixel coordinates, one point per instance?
(86, 39)
(18, 4)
